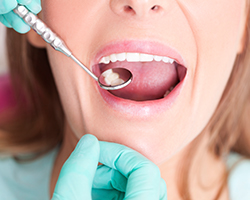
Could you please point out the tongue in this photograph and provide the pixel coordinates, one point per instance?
(151, 80)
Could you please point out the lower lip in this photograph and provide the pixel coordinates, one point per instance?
(142, 109)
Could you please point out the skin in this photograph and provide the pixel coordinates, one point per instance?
(208, 35)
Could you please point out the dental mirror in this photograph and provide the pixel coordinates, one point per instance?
(112, 79)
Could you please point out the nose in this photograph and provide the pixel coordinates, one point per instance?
(137, 8)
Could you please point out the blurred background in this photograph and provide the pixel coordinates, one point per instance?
(3, 63)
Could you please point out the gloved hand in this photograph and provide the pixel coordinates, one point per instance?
(11, 20)
(125, 174)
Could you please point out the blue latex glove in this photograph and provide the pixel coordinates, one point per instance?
(125, 174)
(11, 20)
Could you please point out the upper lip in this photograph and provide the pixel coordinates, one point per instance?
(135, 46)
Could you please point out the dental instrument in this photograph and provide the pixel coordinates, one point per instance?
(111, 79)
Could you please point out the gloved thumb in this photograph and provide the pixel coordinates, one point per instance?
(77, 174)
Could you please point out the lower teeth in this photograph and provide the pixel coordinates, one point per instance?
(168, 91)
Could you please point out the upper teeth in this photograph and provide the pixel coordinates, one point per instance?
(135, 57)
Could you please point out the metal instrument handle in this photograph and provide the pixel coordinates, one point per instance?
(40, 28)
(48, 35)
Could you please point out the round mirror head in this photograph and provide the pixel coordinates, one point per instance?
(114, 79)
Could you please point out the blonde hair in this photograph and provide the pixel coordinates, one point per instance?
(39, 126)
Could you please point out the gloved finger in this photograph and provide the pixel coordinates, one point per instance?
(143, 175)
(77, 174)
(163, 190)
(34, 6)
(7, 5)
(5, 22)
(16, 22)
(102, 194)
(108, 178)
(24, 2)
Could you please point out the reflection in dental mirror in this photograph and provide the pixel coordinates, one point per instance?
(114, 79)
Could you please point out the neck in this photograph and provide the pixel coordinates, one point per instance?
(195, 173)
(205, 171)
(68, 145)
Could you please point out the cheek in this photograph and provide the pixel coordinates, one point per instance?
(62, 69)
(59, 17)
(72, 82)
(216, 29)
(75, 22)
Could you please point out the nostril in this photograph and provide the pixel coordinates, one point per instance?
(155, 7)
(128, 8)
(136, 8)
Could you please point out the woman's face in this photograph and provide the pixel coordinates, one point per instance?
(202, 36)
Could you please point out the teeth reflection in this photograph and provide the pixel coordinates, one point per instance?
(112, 78)
(107, 72)
(118, 81)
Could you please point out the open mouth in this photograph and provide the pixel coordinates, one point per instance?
(154, 77)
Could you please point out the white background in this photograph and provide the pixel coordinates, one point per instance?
(3, 63)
